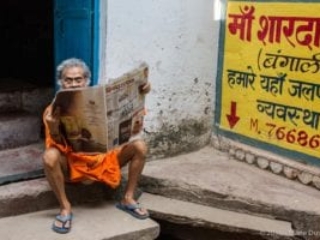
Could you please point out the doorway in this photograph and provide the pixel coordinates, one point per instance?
(26, 43)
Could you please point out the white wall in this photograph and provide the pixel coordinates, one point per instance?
(178, 39)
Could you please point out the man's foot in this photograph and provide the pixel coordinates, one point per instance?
(62, 224)
(135, 209)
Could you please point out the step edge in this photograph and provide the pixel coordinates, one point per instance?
(149, 200)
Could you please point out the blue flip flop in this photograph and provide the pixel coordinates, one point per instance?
(131, 209)
(64, 220)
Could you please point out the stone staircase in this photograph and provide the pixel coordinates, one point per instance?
(21, 106)
(202, 195)
(197, 221)
(225, 199)
(27, 204)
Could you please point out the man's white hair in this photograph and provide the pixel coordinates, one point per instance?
(73, 62)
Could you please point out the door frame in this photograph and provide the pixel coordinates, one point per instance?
(96, 21)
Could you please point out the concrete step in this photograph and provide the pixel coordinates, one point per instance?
(35, 195)
(208, 177)
(21, 107)
(19, 129)
(210, 218)
(18, 95)
(21, 163)
(11, 94)
(101, 221)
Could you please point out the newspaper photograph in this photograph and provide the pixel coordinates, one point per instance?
(101, 117)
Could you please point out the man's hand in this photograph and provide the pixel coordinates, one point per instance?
(53, 120)
(145, 88)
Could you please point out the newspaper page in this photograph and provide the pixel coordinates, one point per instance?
(125, 106)
(82, 116)
(99, 118)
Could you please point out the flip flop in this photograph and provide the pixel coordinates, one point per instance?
(132, 209)
(64, 220)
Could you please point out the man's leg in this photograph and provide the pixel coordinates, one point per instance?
(54, 162)
(133, 153)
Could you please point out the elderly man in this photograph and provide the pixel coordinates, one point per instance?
(62, 164)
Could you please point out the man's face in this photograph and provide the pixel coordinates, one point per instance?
(73, 77)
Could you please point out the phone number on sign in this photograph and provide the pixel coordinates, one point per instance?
(293, 136)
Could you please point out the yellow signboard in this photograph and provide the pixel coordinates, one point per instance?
(270, 74)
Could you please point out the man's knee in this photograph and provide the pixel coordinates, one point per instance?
(51, 157)
(141, 147)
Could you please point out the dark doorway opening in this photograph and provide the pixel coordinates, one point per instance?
(26, 43)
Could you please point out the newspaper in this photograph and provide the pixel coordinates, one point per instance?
(99, 118)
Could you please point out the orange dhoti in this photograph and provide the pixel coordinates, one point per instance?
(102, 167)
